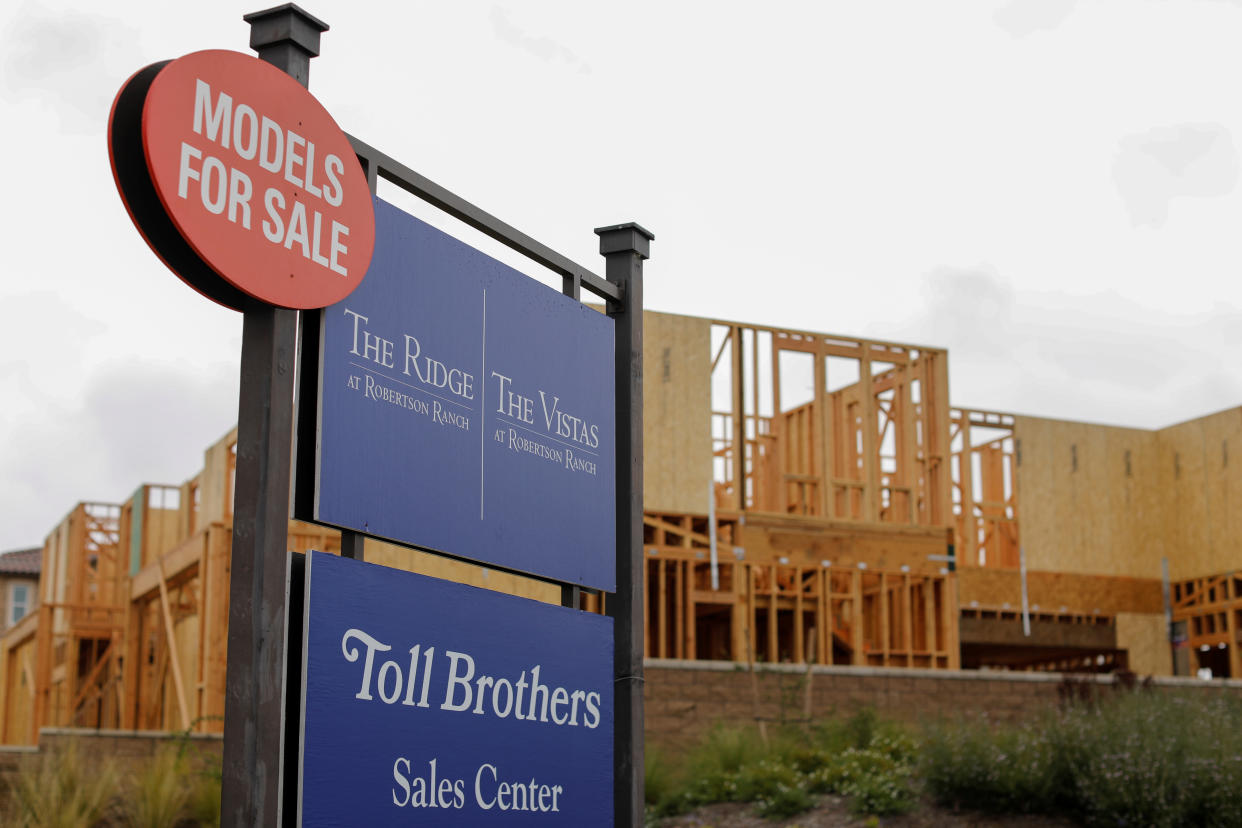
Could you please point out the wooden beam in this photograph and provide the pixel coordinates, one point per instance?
(907, 610)
(204, 640)
(691, 613)
(679, 609)
(739, 613)
(885, 624)
(173, 657)
(215, 613)
(779, 447)
(856, 625)
(825, 621)
(799, 652)
(647, 562)
(929, 620)
(752, 632)
(870, 448)
(738, 421)
(169, 567)
(935, 435)
(907, 474)
(773, 651)
(662, 609)
(684, 530)
(43, 671)
(949, 614)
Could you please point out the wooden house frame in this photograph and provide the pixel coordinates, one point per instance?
(810, 498)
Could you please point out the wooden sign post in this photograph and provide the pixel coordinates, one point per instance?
(254, 707)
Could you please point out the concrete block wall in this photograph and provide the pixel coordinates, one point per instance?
(685, 699)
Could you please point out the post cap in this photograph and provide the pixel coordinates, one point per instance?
(625, 238)
(288, 23)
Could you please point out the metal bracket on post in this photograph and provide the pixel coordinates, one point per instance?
(254, 711)
(624, 247)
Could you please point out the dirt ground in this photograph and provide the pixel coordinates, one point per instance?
(833, 812)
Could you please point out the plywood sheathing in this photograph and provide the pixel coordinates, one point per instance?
(1060, 591)
(215, 482)
(1091, 498)
(677, 449)
(1200, 469)
(1117, 500)
(1145, 637)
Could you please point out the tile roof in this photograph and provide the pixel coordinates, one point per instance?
(21, 562)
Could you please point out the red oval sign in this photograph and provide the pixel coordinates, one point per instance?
(258, 179)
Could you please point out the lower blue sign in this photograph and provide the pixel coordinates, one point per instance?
(426, 702)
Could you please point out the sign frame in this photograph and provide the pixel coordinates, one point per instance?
(477, 315)
(624, 247)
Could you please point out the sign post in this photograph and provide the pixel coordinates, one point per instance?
(625, 247)
(254, 707)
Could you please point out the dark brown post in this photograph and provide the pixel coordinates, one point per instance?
(624, 247)
(254, 705)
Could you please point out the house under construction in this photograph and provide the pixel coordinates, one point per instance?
(808, 498)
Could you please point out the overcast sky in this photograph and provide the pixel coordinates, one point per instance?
(1048, 188)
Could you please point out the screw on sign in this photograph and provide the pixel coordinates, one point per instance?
(241, 181)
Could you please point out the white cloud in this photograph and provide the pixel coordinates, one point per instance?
(1092, 356)
(65, 60)
(1185, 161)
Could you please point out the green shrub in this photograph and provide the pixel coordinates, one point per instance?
(862, 757)
(712, 769)
(764, 779)
(783, 802)
(881, 795)
(1001, 770)
(1127, 758)
(726, 749)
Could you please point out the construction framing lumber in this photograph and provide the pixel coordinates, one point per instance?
(809, 498)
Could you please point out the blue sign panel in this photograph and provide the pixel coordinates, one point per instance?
(466, 408)
(430, 703)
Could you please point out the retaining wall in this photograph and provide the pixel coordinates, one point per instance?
(686, 698)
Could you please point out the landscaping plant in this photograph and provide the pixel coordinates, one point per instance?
(62, 792)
